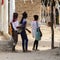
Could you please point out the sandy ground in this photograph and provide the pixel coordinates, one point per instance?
(45, 52)
(34, 55)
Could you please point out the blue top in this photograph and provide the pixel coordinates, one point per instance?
(24, 22)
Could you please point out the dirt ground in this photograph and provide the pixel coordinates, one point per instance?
(45, 52)
(33, 55)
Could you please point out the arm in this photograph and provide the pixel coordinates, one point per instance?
(28, 30)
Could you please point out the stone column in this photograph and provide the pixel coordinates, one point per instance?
(1, 15)
(5, 17)
(12, 9)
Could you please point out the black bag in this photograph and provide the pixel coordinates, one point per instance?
(40, 33)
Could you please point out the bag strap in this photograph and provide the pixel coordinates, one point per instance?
(37, 24)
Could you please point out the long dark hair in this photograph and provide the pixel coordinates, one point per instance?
(24, 15)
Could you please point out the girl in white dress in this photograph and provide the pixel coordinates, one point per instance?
(34, 28)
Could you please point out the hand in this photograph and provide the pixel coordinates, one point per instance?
(28, 30)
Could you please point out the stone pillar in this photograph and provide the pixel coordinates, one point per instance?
(12, 9)
(5, 19)
(0, 15)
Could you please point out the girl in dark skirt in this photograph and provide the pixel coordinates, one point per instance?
(14, 24)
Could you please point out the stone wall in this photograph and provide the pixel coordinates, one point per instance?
(30, 8)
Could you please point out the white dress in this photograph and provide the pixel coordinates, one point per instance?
(34, 27)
